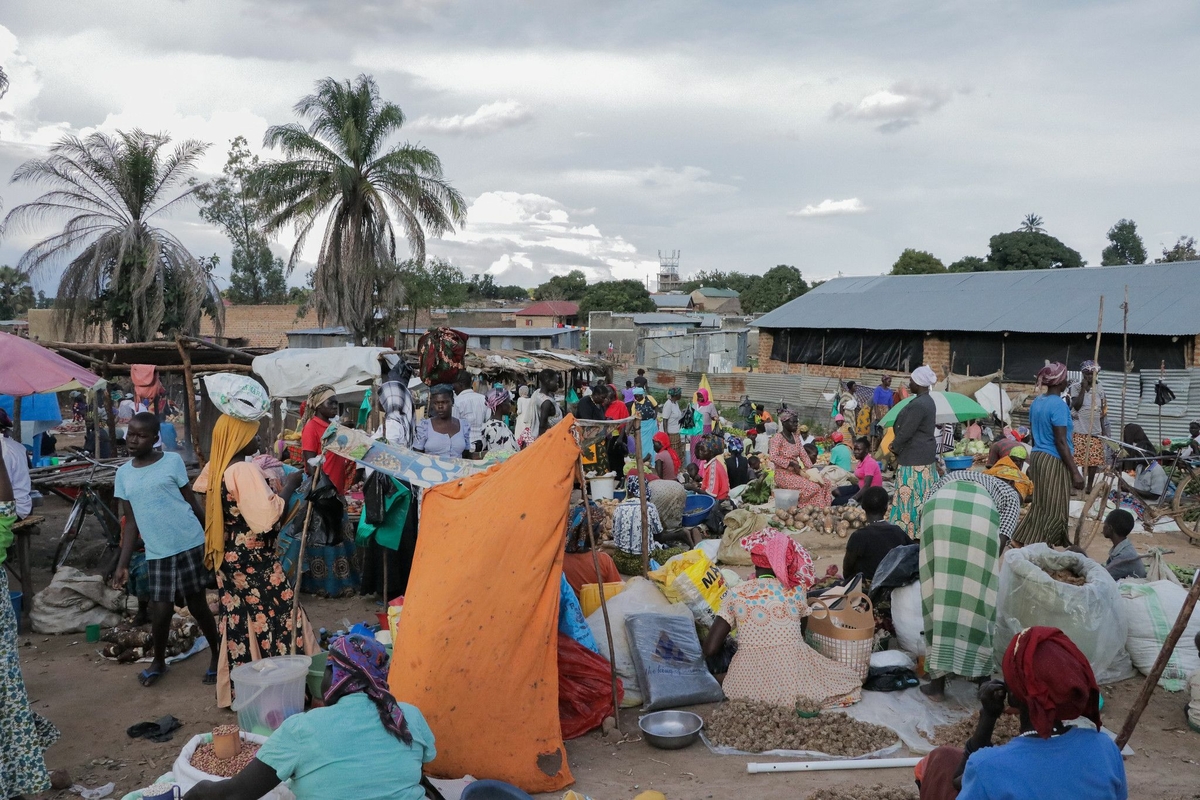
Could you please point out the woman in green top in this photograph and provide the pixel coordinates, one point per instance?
(362, 744)
(26, 734)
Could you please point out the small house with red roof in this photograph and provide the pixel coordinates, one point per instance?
(549, 314)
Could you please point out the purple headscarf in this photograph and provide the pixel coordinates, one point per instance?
(360, 665)
(496, 397)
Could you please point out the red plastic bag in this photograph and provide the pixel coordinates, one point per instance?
(584, 688)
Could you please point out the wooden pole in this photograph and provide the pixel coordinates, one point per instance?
(1000, 378)
(1125, 366)
(16, 421)
(612, 653)
(642, 492)
(229, 351)
(300, 566)
(1160, 663)
(1092, 410)
(189, 397)
(109, 411)
(1162, 378)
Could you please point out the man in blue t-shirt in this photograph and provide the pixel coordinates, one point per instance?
(1048, 681)
(159, 505)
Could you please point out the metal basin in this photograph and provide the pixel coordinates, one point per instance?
(671, 730)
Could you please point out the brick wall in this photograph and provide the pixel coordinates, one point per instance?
(261, 326)
(1195, 359)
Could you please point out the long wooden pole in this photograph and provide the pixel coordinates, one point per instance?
(1160, 663)
(1125, 365)
(300, 565)
(16, 421)
(189, 398)
(229, 351)
(612, 653)
(1095, 392)
(1000, 378)
(642, 492)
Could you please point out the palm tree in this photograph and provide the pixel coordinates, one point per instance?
(125, 271)
(3, 82)
(339, 166)
(1032, 224)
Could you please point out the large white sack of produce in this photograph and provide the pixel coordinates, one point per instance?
(188, 776)
(1090, 615)
(908, 619)
(1150, 611)
(640, 597)
(74, 600)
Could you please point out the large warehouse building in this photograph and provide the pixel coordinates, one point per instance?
(973, 322)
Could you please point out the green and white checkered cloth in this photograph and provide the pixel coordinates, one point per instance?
(960, 545)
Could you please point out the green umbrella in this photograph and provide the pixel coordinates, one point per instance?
(951, 407)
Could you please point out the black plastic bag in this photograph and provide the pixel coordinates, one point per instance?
(890, 679)
(900, 567)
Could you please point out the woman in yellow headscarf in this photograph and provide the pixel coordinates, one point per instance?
(1008, 468)
(241, 521)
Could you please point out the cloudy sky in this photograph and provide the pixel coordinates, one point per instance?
(593, 134)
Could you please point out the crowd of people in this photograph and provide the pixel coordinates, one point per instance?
(229, 528)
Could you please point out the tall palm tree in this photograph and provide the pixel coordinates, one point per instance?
(1032, 224)
(338, 166)
(124, 270)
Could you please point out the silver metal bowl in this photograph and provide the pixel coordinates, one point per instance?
(671, 730)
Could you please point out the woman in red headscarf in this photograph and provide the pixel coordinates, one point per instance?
(1049, 683)
(667, 463)
(773, 664)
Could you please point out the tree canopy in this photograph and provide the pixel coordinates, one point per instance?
(1125, 245)
(1184, 250)
(16, 295)
(484, 287)
(628, 296)
(572, 286)
(781, 284)
(917, 262)
(1031, 250)
(1032, 224)
(971, 264)
(740, 282)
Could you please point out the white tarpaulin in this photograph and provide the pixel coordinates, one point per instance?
(995, 401)
(291, 373)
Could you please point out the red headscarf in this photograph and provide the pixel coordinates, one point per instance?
(1048, 674)
(665, 441)
(774, 550)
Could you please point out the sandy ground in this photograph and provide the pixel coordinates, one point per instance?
(93, 702)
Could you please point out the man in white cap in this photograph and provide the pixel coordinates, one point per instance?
(916, 450)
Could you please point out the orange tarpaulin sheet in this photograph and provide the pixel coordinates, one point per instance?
(477, 651)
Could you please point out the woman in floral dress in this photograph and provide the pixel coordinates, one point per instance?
(240, 529)
(773, 664)
(784, 450)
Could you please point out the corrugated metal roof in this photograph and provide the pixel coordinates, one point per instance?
(709, 291)
(1161, 301)
(672, 300)
(339, 331)
(514, 332)
(665, 319)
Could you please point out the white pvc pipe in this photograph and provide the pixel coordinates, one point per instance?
(821, 766)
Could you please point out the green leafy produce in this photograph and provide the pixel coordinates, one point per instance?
(757, 492)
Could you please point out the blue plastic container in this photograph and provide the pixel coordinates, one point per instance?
(170, 438)
(959, 462)
(18, 603)
(696, 508)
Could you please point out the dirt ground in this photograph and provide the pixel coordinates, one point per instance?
(93, 702)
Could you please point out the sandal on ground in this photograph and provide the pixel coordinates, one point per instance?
(210, 677)
(148, 677)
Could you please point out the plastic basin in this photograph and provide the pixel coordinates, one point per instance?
(602, 488)
(959, 462)
(696, 508)
(786, 498)
(269, 691)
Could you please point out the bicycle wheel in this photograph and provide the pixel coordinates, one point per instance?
(70, 533)
(1095, 507)
(1185, 507)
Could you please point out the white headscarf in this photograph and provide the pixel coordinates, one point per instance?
(924, 376)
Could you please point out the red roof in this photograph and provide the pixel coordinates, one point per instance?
(551, 308)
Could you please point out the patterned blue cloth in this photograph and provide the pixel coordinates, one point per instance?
(570, 618)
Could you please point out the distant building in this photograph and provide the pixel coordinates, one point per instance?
(469, 317)
(549, 314)
(313, 338)
(677, 303)
(518, 338)
(696, 350)
(261, 326)
(717, 301)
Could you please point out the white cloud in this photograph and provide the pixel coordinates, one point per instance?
(895, 108)
(828, 207)
(656, 179)
(486, 119)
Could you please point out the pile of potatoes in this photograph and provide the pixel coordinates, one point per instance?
(842, 520)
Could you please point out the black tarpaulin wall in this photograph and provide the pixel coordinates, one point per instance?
(1026, 353)
(894, 350)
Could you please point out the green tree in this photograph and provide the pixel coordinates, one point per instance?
(484, 287)
(917, 262)
(971, 264)
(740, 282)
(572, 286)
(125, 272)
(1184, 250)
(628, 296)
(433, 284)
(340, 166)
(255, 274)
(1125, 245)
(16, 295)
(43, 301)
(780, 284)
(1032, 224)
(1031, 250)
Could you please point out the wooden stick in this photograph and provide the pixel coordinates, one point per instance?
(16, 421)
(189, 399)
(642, 492)
(229, 351)
(1095, 392)
(1160, 663)
(612, 653)
(300, 565)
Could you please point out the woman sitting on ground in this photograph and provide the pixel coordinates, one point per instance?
(441, 434)
(773, 664)
(361, 744)
(577, 563)
(714, 478)
(791, 462)
(867, 546)
(867, 472)
(1048, 681)
(736, 465)
(666, 461)
(1009, 469)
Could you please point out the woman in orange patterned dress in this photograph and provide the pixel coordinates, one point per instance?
(773, 664)
(786, 452)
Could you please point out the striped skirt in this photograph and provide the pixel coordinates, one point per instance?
(1048, 517)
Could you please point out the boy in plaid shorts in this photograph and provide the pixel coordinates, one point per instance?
(159, 504)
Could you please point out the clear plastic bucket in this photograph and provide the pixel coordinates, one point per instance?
(269, 691)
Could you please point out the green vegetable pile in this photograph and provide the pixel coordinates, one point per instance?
(758, 492)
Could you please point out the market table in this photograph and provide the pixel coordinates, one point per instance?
(18, 554)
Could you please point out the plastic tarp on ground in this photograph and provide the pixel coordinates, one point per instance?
(477, 649)
(291, 373)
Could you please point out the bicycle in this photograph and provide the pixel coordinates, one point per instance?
(87, 503)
